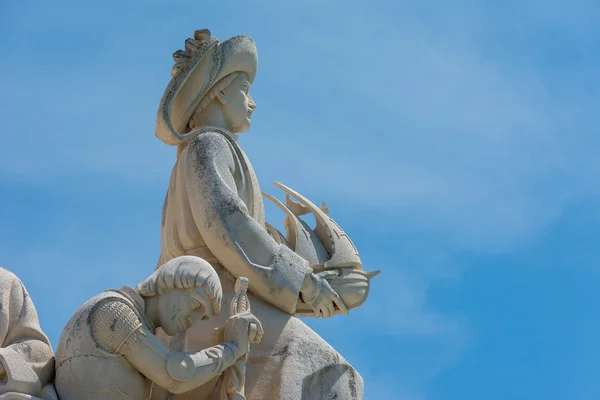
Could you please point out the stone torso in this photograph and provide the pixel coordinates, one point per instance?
(179, 233)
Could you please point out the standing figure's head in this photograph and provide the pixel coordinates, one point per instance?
(182, 292)
(228, 105)
(210, 86)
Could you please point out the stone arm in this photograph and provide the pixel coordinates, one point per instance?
(239, 242)
(116, 328)
(26, 355)
(177, 372)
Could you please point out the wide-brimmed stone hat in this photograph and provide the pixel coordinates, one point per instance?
(197, 69)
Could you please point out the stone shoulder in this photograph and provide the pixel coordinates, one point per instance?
(112, 321)
(9, 282)
(210, 147)
(7, 275)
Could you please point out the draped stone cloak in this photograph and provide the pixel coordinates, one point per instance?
(214, 210)
(25, 351)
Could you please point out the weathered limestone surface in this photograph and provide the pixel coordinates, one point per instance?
(166, 338)
(291, 362)
(214, 210)
(108, 350)
(26, 356)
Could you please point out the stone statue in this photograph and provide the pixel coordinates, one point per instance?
(108, 350)
(214, 210)
(26, 356)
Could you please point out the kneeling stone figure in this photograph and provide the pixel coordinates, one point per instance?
(108, 349)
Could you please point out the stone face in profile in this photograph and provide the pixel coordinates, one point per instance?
(214, 210)
(26, 356)
(108, 349)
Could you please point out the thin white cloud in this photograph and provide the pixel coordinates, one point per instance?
(425, 125)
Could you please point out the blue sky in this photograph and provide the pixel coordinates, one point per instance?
(456, 142)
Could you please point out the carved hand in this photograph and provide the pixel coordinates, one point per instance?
(318, 294)
(237, 330)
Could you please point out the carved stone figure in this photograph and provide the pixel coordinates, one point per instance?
(214, 210)
(26, 356)
(109, 350)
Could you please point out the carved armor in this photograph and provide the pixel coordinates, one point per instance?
(88, 337)
(112, 322)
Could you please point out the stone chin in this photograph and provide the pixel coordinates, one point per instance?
(243, 126)
(169, 327)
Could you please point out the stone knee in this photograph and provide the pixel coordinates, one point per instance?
(323, 373)
(336, 381)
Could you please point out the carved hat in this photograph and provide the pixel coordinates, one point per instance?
(202, 64)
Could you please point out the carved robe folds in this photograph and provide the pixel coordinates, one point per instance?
(26, 355)
(214, 210)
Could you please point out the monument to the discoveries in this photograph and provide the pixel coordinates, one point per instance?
(216, 245)
(214, 210)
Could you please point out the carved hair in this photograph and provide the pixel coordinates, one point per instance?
(185, 272)
(211, 95)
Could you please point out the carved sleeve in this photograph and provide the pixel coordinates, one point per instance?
(112, 322)
(116, 328)
(191, 370)
(240, 243)
(176, 372)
